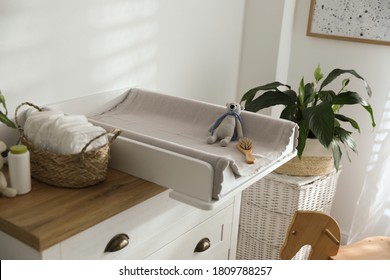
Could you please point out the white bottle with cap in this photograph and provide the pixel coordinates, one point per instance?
(19, 168)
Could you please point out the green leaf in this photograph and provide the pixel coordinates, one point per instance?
(321, 122)
(309, 94)
(336, 108)
(290, 112)
(2, 102)
(3, 116)
(345, 82)
(273, 85)
(369, 110)
(290, 93)
(4, 119)
(250, 94)
(318, 74)
(337, 72)
(343, 118)
(326, 95)
(302, 136)
(350, 98)
(336, 150)
(346, 138)
(269, 98)
(301, 93)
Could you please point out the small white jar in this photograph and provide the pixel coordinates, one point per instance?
(19, 169)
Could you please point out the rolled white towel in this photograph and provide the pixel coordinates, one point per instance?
(33, 124)
(63, 134)
(59, 142)
(74, 138)
(42, 138)
(32, 111)
(66, 119)
(56, 128)
(83, 137)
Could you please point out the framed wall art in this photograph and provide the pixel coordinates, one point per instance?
(353, 20)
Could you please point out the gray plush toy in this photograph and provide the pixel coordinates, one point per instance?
(228, 127)
(4, 189)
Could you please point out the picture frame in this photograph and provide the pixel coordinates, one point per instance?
(366, 21)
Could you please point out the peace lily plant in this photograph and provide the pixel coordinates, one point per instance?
(316, 109)
(3, 115)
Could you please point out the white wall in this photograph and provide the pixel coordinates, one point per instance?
(53, 50)
(266, 43)
(260, 44)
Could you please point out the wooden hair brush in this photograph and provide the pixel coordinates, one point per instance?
(245, 146)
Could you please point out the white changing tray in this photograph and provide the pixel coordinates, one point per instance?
(190, 178)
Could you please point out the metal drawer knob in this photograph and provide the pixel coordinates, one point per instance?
(118, 242)
(202, 245)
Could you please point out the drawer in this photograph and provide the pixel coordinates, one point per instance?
(149, 226)
(216, 230)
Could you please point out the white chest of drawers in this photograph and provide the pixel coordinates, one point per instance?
(157, 227)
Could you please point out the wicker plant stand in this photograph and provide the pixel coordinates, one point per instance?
(268, 206)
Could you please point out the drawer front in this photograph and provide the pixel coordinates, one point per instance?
(149, 226)
(214, 233)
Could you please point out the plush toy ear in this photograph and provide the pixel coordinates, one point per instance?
(227, 104)
(242, 107)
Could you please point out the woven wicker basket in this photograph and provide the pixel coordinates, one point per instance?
(315, 161)
(267, 208)
(259, 250)
(307, 166)
(78, 170)
(286, 194)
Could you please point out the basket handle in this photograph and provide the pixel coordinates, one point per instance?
(20, 129)
(115, 132)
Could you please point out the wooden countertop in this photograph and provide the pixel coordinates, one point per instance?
(48, 215)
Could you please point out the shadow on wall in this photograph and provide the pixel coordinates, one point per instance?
(57, 50)
(120, 27)
(372, 216)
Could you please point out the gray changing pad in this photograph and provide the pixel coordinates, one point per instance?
(181, 125)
